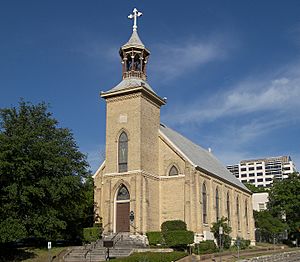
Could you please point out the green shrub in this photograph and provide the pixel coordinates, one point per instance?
(227, 241)
(178, 239)
(91, 234)
(155, 238)
(205, 247)
(244, 243)
(173, 225)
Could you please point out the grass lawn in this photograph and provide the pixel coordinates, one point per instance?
(28, 254)
(42, 255)
(152, 257)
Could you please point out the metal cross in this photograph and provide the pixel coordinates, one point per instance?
(135, 15)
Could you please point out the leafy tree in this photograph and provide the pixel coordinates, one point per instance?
(284, 201)
(226, 240)
(268, 224)
(43, 187)
(255, 189)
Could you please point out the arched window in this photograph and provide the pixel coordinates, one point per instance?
(173, 171)
(217, 205)
(228, 207)
(129, 64)
(246, 214)
(123, 152)
(238, 212)
(123, 193)
(204, 204)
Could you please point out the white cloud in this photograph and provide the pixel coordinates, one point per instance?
(172, 60)
(276, 94)
(249, 110)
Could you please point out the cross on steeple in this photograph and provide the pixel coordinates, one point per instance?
(135, 15)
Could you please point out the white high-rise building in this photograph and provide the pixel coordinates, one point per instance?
(262, 172)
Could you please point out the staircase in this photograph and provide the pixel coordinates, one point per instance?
(124, 243)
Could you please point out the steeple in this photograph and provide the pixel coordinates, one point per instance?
(134, 55)
(134, 59)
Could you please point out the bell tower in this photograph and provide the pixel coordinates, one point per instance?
(132, 113)
(134, 55)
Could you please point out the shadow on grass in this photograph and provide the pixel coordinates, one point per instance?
(15, 254)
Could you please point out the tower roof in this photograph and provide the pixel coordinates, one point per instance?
(134, 41)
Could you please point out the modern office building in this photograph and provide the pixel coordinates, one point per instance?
(262, 172)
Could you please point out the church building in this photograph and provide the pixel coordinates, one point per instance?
(151, 173)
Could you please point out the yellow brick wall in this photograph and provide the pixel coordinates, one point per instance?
(154, 196)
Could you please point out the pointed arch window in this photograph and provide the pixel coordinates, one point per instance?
(238, 213)
(204, 204)
(123, 193)
(173, 171)
(217, 204)
(228, 207)
(246, 214)
(123, 152)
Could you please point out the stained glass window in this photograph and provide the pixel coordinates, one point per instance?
(204, 204)
(123, 193)
(123, 152)
(217, 205)
(228, 208)
(173, 171)
(238, 212)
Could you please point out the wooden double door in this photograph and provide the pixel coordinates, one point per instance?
(122, 219)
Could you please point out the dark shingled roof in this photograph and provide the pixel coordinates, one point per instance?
(201, 157)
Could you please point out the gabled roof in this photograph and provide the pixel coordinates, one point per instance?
(200, 157)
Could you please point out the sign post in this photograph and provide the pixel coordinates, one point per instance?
(220, 235)
(238, 247)
(49, 252)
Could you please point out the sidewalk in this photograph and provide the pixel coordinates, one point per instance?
(232, 256)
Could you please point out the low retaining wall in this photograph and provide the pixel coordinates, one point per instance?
(275, 257)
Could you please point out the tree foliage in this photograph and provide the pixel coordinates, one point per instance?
(43, 187)
(255, 189)
(268, 223)
(284, 201)
(226, 240)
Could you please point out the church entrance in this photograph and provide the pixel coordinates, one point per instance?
(122, 210)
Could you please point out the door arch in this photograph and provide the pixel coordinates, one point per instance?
(122, 204)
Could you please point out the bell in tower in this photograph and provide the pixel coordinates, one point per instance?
(134, 55)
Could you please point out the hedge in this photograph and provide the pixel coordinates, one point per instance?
(173, 225)
(244, 243)
(205, 247)
(178, 239)
(155, 238)
(91, 234)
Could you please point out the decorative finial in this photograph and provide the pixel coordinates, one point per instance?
(135, 15)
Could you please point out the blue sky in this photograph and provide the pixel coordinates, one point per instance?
(230, 69)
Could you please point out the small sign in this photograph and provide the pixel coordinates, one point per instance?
(49, 245)
(108, 243)
(221, 230)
